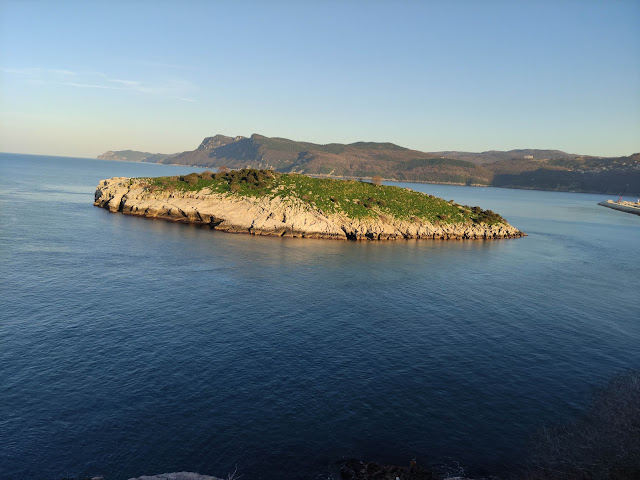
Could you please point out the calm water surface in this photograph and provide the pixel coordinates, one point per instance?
(132, 346)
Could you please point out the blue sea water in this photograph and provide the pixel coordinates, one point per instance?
(132, 346)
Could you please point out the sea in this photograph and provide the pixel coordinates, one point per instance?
(133, 347)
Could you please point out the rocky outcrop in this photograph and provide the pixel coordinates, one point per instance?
(279, 216)
(177, 476)
(358, 470)
(211, 143)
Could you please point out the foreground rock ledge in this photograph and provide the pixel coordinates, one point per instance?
(277, 216)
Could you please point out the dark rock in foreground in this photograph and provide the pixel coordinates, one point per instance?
(357, 470)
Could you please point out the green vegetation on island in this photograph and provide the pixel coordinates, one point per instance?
(352, 198)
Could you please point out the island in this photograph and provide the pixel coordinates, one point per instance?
(264, 202)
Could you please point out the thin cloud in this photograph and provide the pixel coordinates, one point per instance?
(130, 83)
(19, 71)
(177, 89)
(63, 72)
(90, 85)
(33, 71)
(184, 99)
(172, 66)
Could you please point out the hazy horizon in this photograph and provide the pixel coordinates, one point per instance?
(80, 79)
(301, 140)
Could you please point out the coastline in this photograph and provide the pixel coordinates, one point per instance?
(277, 216)
(426, 182)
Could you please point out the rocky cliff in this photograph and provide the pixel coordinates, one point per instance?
(285, 215)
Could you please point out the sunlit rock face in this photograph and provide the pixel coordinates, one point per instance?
(288, 217)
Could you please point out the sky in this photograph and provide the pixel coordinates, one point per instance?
(78, 78)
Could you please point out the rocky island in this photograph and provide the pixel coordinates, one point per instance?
(264, 202)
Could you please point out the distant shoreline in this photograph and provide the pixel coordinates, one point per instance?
(535, 169)
(630, 194)
(424, 182)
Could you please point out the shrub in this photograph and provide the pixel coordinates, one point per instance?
(603, 444)
(191, 179)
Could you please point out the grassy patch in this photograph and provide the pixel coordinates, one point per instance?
(349, 197)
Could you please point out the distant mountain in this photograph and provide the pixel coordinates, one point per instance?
(134, 156)
(360, 159)
(576, 173)
(496, 155)
(524, 168)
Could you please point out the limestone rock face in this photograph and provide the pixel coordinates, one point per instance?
(211, 143)
(275, 216)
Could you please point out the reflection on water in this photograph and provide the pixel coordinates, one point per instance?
(134, 346)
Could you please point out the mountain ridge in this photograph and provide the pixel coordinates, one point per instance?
(540, 169)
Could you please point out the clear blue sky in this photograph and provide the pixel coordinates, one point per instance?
(78, 78)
